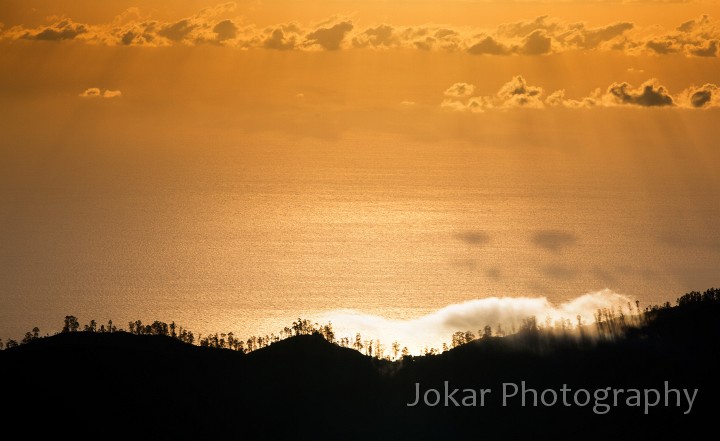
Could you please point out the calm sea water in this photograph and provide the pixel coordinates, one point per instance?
(245, 235)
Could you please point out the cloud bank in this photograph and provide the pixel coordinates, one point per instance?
(542, 35)
(517, 93)
(504, 313)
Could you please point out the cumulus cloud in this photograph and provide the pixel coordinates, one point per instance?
(525, 27)
(489, 46)
(225, 30)
(517, 93)
(542, 35)
(437, 327)
(95, 92)
(698, 37)
(707, 95)
(378, 36)
(62, 30)
(591, 38)
(330, 37)
(649, 94)
(558, 99)
(536, 43)
(460, 90)
(278, 40)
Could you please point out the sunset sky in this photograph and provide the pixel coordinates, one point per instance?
(232, 166)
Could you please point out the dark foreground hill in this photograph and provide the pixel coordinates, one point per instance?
(117, 385)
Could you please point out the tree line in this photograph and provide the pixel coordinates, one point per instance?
(609, 323)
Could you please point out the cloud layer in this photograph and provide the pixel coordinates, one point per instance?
(517, 93)
(505, 313)
(542, 35)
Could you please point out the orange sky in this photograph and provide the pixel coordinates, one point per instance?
(224, 146)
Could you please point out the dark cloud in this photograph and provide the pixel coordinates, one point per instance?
(698, 38)
(278, 40)
(553, 240)
(560, 272)
(330, 38)
(488, 46)
(517, 93)
(473, 237)
(700, 98)
(662, 46)
(709, 50)
(62, 30)
(650, 94)
(225, 30)
(682, 240)
(177, 31)
(493, 273)
(536, 43)
(707, 95)
(128, 38)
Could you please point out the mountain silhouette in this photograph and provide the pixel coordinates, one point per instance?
(121, 385)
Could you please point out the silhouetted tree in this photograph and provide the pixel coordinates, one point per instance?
(529, 324)
(458, 338)
(379, 349)
(71, 324)
(327, 332)
(487, 331)
(91, 327)
(395, 350)
(358, 345)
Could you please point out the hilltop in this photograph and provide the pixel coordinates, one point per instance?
(120, 385)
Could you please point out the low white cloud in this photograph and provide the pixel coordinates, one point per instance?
(505, 313)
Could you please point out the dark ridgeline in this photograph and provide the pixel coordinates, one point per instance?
(149, 385)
